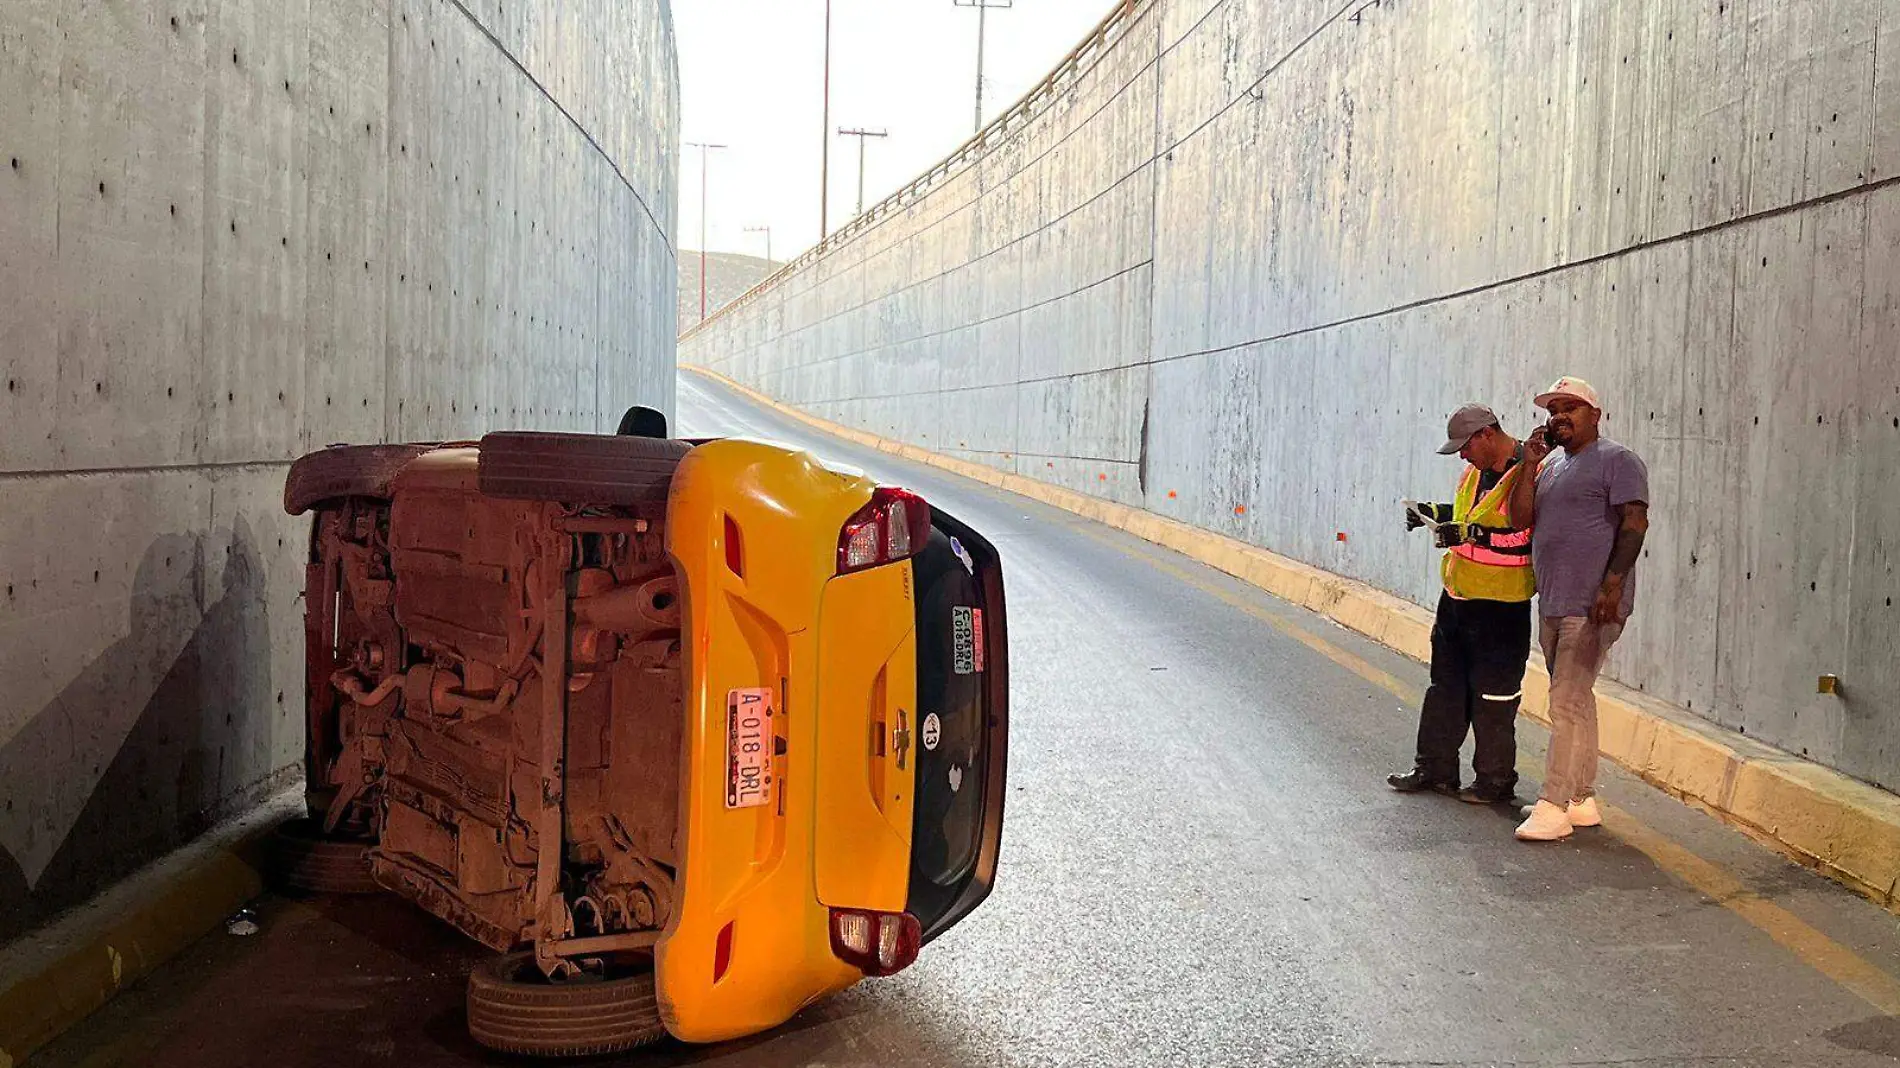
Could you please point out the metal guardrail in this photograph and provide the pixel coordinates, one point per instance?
(1001, 128)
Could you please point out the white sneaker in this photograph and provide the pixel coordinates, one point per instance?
(1546, 823)
(1585, 813)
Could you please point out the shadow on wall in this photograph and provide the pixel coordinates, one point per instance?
(211, 711)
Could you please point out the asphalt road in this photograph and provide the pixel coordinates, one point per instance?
(1201, 866)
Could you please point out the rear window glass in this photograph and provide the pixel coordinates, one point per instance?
(951, 729)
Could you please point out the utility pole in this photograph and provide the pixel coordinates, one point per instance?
(861, 135)
(768, 239)
(703, 149)
(982, 16)
(824, 164)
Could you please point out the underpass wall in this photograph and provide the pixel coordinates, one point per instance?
(235, 230)
(1239, 263)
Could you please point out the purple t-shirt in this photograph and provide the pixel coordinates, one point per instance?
(1576, 524)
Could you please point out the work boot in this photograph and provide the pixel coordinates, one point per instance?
(1484, 793)
(1416, 780)
(1546, 823)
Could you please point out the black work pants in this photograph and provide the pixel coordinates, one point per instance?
(1479, 649)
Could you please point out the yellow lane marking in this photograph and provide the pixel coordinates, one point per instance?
(1817, 950)
(1808, 944)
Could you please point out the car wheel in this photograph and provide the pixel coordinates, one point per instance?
(304, 858)
(513, 1008)
(526, 465)
(345, 471)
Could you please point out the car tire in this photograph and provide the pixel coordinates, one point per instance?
(512, 1008)
(345, 471)
(632, 472)
(303, 858)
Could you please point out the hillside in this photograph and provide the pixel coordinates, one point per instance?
(728, 274)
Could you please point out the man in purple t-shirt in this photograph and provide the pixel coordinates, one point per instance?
(1590, 507)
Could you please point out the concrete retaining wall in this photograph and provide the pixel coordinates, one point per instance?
(235, 230)
(1241, 266)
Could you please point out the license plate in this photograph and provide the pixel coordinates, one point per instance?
(748, 748)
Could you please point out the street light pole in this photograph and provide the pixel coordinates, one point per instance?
(982, 18)
(824, 165)
(861, 135)
(703, 149)
(768, 239)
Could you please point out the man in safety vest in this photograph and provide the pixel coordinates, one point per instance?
(1481, 636)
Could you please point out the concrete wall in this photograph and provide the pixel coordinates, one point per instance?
(235, 230)
(1240, 270)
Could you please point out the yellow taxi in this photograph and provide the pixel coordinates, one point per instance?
(692, 733)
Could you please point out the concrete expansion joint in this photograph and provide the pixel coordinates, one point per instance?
(1725, 796)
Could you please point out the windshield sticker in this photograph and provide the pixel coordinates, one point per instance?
(965, 650)
(969, 562)
(933, 731)
(956, 778)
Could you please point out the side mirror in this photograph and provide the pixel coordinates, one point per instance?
(642, 422)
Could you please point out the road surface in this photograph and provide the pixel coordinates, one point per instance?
(1201, 866)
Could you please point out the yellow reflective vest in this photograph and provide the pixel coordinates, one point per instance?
(1498, 568)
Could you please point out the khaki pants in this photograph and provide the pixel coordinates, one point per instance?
(1574, 651)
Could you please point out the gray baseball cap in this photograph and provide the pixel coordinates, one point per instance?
(1464, 423)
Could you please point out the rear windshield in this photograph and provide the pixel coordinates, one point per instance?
(951, 733)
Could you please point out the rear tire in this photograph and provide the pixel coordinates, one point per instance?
(512, 1008)
(630, 472)
(304, 858)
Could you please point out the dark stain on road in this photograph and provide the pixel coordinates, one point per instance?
(1880, 1034)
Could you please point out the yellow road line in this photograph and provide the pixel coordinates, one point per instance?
(1808, 944)
(1817, 950)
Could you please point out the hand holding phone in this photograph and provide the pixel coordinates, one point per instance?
(1538, 444)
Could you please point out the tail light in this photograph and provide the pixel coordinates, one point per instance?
(895, 525)
(876, 943)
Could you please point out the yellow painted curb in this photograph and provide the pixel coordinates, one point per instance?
(1823, 819)
(54, 978)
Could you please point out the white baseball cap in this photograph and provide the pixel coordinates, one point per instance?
(1569, 386)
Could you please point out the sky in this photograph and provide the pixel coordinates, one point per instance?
(752, 78)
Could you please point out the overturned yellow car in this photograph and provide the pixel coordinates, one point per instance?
(692, 733)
